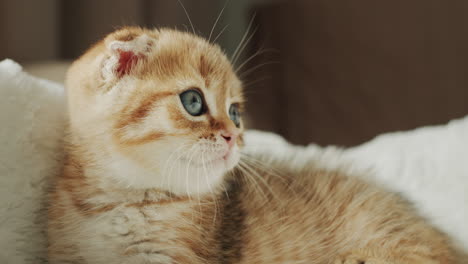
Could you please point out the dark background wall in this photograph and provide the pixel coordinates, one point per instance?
(331, 71)
(33, 30)
(350, 70)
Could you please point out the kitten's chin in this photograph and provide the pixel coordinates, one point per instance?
(225, 162)
(194, 179)
(181, 178)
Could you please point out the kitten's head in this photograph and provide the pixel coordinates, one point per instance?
(157, 109)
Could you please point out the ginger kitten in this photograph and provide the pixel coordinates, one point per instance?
(151, 174)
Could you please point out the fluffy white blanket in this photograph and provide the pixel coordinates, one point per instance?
(31, 126)
(429, 165)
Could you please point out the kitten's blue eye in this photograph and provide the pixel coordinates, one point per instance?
(234, 114)
(193, 102)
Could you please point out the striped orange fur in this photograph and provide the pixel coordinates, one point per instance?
(145, 181)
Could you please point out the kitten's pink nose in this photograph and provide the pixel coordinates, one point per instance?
(229, 137)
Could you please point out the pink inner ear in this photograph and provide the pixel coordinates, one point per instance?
(127, 59)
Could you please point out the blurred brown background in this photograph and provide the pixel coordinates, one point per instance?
(333, 72)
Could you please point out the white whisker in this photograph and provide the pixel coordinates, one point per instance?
(213, 194)
(188, 17)
(217, 19)
(271, 171)
(189, 161)
(164, 173)
(260, 51)
(252, 69)
(262, 179)
(220, 33)
(235, 54)
(246, 42)
(252, 180)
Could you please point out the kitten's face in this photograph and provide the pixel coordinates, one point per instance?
(166, 105)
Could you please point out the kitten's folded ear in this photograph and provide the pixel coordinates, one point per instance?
(127, 47)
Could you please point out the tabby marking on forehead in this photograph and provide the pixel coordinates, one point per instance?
(206, 70)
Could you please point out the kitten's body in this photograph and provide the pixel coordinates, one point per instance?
(113, 205)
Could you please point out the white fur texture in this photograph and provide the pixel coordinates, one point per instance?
(31, 127)
(428, 166)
